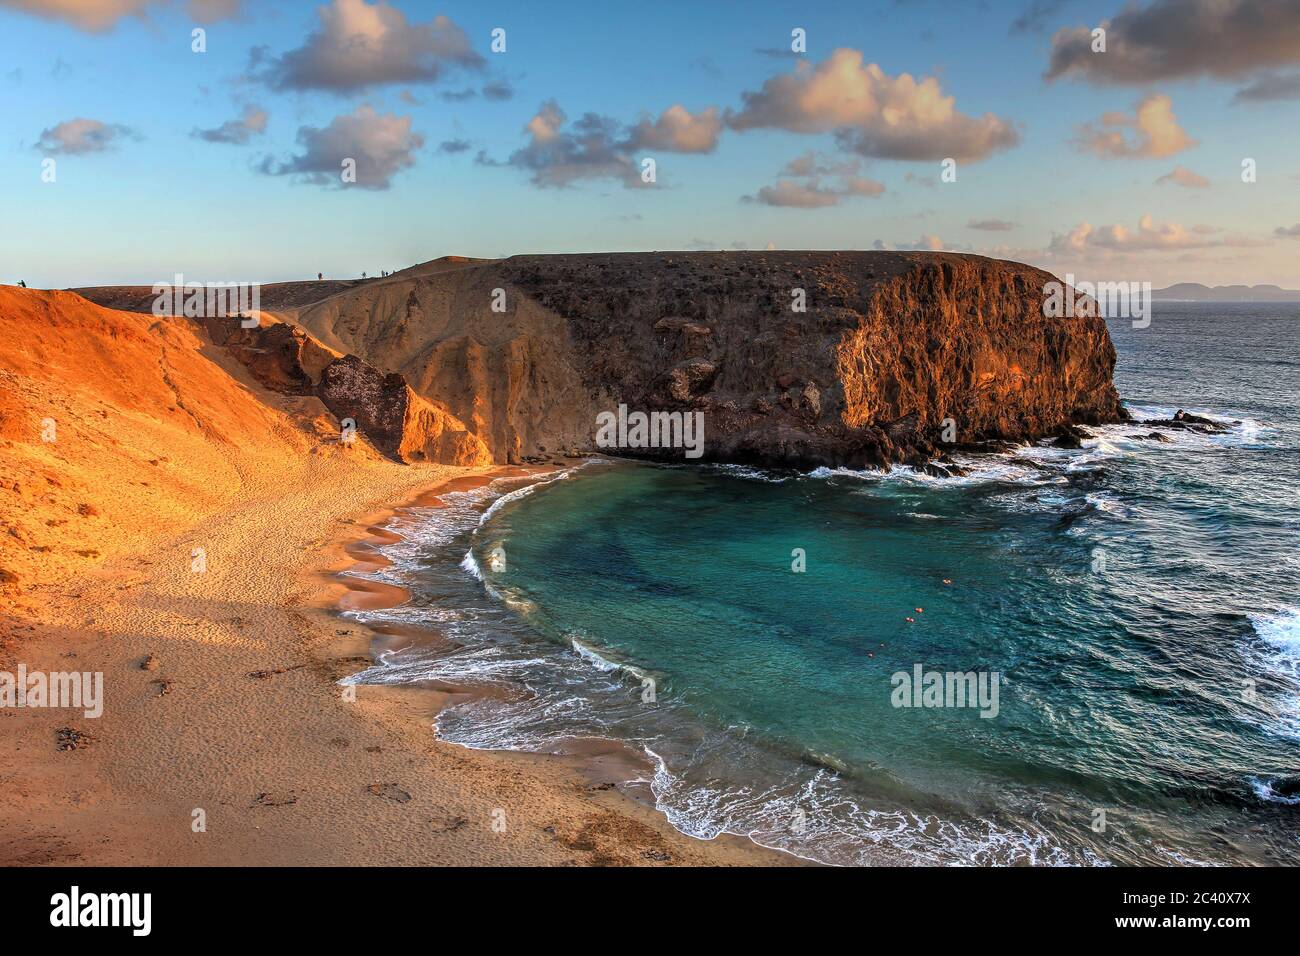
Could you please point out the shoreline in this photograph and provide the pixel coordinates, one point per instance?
(225, 740)
(595, 759)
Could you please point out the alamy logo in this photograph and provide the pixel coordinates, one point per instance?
(74, 908)
(1112, 300)
(208, 300)
(82, 691)
(923, 688)
(653, 430)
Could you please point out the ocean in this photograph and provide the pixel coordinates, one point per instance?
(1073, 657)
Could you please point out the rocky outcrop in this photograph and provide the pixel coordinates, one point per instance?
(399, 423)
(282, 357)
(1185, 421)
(794, 358)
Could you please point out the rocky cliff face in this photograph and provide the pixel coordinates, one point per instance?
(398, 422)
(282, 357)
(894, 357)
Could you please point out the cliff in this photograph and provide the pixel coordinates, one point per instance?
(895, 357)
(107, 416)
(396, 421)
(117, 426)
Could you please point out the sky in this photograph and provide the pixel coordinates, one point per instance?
(132, 148)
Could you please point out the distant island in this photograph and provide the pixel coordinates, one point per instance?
(1196, 292)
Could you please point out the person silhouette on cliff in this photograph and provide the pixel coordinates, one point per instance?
(320, 276)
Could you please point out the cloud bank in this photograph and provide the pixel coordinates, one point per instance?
(1181, 39)
(1148, 237)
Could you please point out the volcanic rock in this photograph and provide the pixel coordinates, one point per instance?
(396, 420)
(282, 357)
(885, 337)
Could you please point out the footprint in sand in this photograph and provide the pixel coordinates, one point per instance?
(389, 791)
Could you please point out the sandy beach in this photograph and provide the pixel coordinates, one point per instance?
(239, 715)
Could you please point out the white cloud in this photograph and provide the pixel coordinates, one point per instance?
(97, 16)
(360, 45)
(79, 136)
(237, 131)
(560, 153)
(1151, 133)
(811, 163)
(382, 145)
(1182, 176)
(810, 193)
(1148, 237)
(872, 113)
(678, 130)
(789, 193)
(588, 149)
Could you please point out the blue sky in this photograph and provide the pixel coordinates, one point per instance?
(150, 198)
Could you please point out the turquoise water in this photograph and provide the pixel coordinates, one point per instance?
(1133, 603)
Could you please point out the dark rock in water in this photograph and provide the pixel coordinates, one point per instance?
(1153, 436)
(1192, 423)
(1069, 436)
(947, 468)
(1182, 416)
(1286, 787)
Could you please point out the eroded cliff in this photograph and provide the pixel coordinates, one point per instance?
(894, 357)
(381, 406)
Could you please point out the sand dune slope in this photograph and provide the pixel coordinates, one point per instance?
(116, 427)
